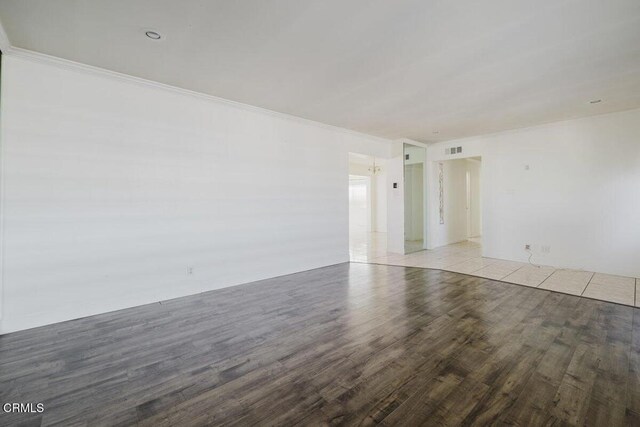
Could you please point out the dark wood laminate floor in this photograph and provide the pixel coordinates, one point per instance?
(346, 344)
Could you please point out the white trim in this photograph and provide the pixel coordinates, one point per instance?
(412, 142)
(90, 69)
(5, 45)
(2, 192)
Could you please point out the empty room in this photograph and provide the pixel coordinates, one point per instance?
(301, 212)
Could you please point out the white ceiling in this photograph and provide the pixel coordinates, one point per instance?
(392, 68)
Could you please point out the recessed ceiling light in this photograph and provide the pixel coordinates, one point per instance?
(153, 35)
(595, 101)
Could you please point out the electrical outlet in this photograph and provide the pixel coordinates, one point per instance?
(545, 249)
(527, 247)
(189, 271)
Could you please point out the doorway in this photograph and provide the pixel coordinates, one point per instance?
(414, 198)
(457, 203)
(359, 206)
(367, 207)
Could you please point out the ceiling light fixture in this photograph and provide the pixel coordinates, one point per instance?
(595, 101)
(153, 35)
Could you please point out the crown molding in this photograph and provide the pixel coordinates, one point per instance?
(114, 75)
(412, 142)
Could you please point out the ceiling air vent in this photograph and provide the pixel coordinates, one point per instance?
(453, 150)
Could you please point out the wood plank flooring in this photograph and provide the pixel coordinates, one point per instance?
(341, 345)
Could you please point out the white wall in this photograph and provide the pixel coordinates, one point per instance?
(114, 187)
(573, 186)
(395, 199)
(380, 201)
(416, 154)
(414, 201)
(475, 198)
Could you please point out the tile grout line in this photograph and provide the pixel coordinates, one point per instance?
(489, 265)
(462, 262)
(509, 274)
(588, 283)
(547, 278)
(496, 260)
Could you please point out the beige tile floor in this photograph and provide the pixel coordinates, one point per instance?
(366, 246)
(466, 257)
